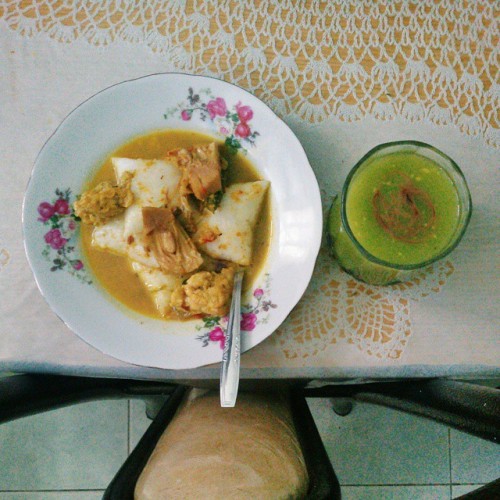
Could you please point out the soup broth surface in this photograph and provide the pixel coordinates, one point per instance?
(114, 272)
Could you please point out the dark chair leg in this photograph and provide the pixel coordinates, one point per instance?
(321, 473)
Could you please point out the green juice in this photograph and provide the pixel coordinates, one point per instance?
(399, 211)
(403, 208)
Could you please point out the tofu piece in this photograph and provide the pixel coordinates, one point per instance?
(103, 202)
(233, 223)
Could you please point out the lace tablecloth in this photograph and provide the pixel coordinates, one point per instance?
(345, 76)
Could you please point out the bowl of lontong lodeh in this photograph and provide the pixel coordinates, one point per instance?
(148, 198)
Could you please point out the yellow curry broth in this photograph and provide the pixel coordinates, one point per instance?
(113, 271)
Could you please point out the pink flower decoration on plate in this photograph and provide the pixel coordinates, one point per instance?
(248, 321)
(230, 120)
(61, 221)
(46, 211)
(217, 107)
(242, 130)
(217, 335)
(245, 113)
(258, 293)
(224, 126)
(77, 265)
(61, 207)
(55, 239)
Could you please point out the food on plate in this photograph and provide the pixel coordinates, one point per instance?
(172, 248)
(159, 285)
(201, 169)
(178, 215)
(104, 202)
(206, 292)
(227, 233)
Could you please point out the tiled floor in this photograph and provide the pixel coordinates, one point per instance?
(73, 453)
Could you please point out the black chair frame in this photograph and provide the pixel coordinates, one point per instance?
(468, 407)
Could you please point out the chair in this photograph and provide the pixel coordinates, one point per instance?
(467, 407)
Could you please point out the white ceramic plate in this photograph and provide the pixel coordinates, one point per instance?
(109, 119)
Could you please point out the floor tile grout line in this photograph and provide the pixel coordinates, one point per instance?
(468, 484)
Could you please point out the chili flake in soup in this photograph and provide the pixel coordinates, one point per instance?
(125, 279)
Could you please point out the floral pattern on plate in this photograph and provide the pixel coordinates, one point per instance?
(62, 224)
(233, 124)
(251, 315)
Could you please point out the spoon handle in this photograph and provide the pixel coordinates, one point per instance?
(230, 369)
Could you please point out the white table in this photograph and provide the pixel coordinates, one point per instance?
(345, 78)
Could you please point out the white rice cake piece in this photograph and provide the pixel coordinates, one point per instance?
(109, 236)
(136, 250)
(159, 284)
(155, 183)
(235, 221)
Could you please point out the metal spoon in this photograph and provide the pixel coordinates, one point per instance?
(230, 369)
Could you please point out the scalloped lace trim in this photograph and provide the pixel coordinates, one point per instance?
(435, 61)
